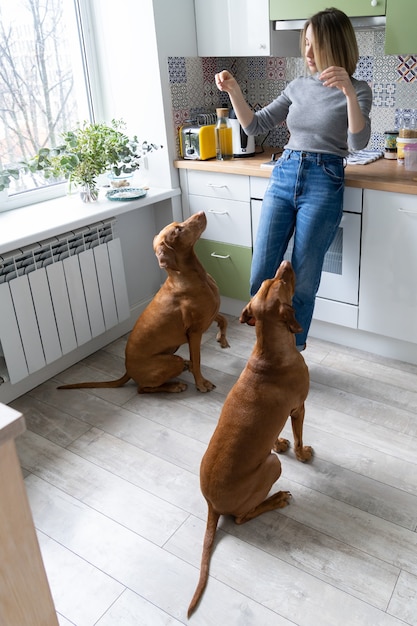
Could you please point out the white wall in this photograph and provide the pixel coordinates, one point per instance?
(135, 39)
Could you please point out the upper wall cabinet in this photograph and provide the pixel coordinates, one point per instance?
(240, 28)
(400, 31)
(301, 9)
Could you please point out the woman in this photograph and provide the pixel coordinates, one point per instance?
(326, 112)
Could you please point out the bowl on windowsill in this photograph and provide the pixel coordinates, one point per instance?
(118, 182)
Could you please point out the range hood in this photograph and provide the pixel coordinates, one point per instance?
(359, 23)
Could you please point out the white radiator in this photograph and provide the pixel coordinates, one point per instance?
(57, 295)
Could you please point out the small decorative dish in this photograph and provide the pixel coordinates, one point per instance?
(119, 181)
(125, 193)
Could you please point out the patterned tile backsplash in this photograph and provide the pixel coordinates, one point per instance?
(393, 80)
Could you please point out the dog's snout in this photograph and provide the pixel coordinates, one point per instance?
(200, 217)
(284, 269)
(198, 220)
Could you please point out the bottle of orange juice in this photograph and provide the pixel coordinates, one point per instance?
(223, 133)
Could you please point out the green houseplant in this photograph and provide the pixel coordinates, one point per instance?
(86, 152)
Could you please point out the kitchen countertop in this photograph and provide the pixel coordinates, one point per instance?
(382, 175)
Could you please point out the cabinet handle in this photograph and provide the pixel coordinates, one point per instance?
(407, 211)
(218, 212)
(220, 256)
(216, 186)
(374, 3)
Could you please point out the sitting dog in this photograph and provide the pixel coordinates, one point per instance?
(182, 310)
(239, 468)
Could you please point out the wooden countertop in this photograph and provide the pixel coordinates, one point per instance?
(12, 423)
(382, 175)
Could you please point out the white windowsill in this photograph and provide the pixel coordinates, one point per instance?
(25, 226)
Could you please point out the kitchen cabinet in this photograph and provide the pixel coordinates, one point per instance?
(240, 28)
(225, 247)
(229, 265)
(400, 31)
(300, 9)
(388, 295)
(25, 595)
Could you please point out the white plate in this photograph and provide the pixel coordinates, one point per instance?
(125, 193)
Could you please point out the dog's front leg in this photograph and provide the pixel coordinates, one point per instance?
(221, 333)
(303, 453)
(194, 344)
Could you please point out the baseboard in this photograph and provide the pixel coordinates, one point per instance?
(369, 342)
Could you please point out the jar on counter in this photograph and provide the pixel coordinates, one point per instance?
(401, 143)
(408, 128)
(410, 156)
(390, 144)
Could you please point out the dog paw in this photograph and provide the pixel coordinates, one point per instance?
(281, 499)
(221, 339)
(304, 454)
(205, 386)
(281, 445)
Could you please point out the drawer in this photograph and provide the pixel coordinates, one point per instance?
(218, 185)
(227, 221)
(352, 200)
(258, 187)
(229, 265)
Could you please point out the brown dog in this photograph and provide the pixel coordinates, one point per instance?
(182, 310)
(238, 468)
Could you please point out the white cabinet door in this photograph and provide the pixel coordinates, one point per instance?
(218, 185)
(388, 284)
(225, 200)
(232, 27)
(227, 220)
(240, 28)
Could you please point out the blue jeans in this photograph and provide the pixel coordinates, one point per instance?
(304, 197)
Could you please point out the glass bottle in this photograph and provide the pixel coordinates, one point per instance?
(223, 134)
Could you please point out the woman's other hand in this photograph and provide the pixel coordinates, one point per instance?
(337, 77)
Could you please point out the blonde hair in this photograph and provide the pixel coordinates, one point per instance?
(334, 40)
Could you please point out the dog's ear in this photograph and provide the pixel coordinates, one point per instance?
(246, 314)
(166, 257)
(286, 313)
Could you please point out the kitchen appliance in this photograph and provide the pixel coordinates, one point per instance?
(197, 142)
(243, 144)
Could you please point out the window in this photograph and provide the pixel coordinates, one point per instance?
(43, 87)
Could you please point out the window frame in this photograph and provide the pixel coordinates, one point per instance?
(84, 17)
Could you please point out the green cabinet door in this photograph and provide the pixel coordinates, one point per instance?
(400, 31)
(302, 9)
(229, 265)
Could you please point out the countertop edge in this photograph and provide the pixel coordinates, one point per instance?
(12, 423)
(380, 175)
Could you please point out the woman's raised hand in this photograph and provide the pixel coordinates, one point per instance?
(225, 81)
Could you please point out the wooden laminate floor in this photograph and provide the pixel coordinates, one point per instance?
(113, 483)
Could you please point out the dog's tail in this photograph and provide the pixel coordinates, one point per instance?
(95, 385)
(212, 521)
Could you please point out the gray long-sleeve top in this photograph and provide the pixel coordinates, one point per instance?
(316, 116)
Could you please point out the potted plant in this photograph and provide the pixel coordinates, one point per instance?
(86, 152)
